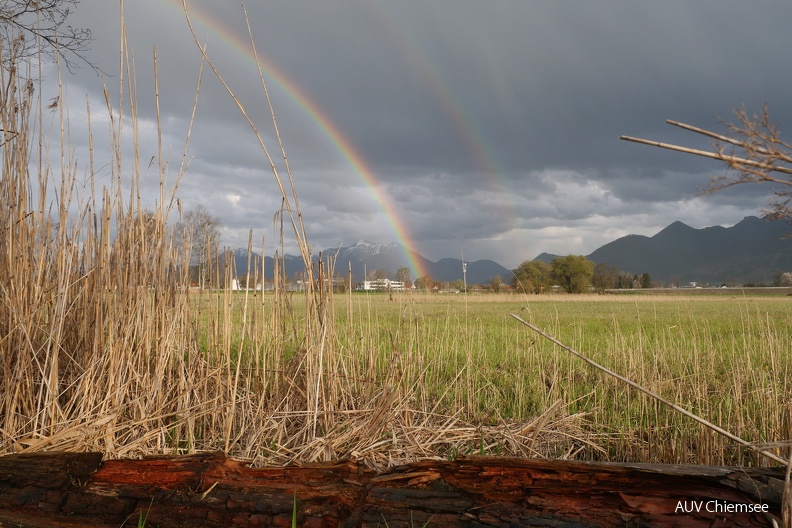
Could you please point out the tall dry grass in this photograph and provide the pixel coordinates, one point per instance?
(96, 337)
(105, 347)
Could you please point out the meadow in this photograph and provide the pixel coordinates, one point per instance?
(724, 358)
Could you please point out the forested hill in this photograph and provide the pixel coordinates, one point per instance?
(751, 251)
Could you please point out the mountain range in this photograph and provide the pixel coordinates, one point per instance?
(366, 257)
(751, 251)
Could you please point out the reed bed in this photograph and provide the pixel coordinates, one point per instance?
(106, 348)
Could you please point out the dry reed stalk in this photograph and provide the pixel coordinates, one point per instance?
(786, 502)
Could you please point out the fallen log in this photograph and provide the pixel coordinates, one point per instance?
(60, 490)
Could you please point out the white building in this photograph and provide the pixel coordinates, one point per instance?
(383, 285)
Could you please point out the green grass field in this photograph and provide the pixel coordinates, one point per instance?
(725, 358)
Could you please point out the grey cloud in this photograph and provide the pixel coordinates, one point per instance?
(492, 126)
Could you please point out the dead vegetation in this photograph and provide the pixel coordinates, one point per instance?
(105, 347)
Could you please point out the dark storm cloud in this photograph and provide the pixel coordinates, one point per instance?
(489, 125)
(552, 85)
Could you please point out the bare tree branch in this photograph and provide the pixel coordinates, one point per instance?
(759, 140)
(30, 27)
(753, 153)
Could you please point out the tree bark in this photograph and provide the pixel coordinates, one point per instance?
(56, 490)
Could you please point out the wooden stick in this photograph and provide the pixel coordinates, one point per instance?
(719, 137)
(659, 398)
(707, 154)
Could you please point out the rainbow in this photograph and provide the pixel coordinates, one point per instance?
(336, 137)
(478, 148)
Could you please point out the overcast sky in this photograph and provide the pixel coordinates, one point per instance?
(490, 128)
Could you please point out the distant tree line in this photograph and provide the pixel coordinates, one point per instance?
(574, 274)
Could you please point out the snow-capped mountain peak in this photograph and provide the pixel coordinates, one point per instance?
(360, 250)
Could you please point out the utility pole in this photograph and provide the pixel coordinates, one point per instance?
(464, 271)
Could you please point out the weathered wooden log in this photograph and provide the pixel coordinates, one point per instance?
(57, 490)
